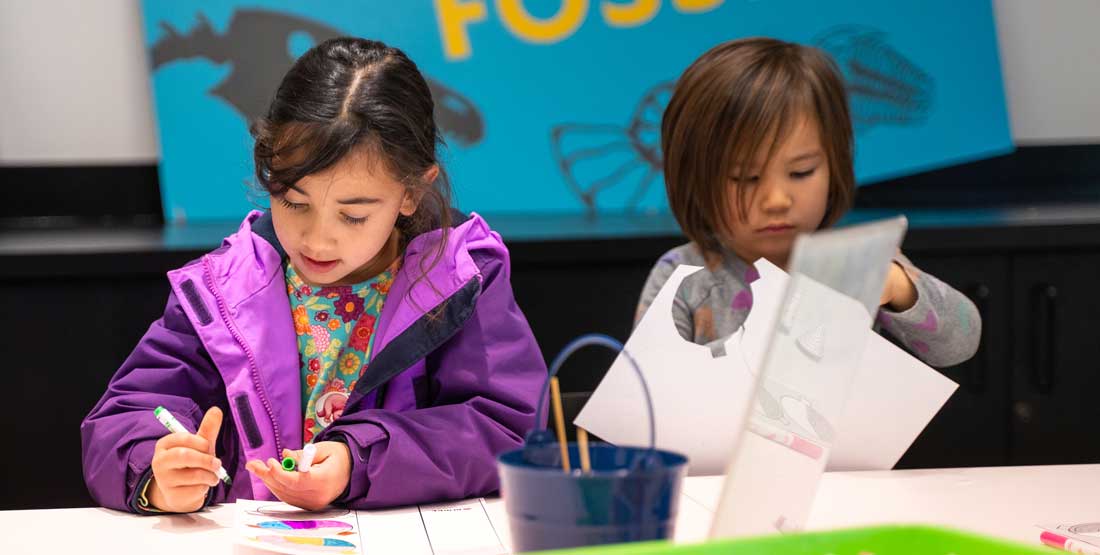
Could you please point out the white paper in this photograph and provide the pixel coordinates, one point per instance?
(803, 386)
(698, 399)
(398, 530)
(1087, 532)
(282, 528)
(806, 378)
(459, 528)
(892, 399)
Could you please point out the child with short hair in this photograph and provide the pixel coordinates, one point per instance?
(757, 146)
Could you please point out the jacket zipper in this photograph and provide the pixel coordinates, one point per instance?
(254, 372)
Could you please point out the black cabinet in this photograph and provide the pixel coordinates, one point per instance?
(63, 340)
(1026, 397)
(73, 314)
(1056, 362)
(972, 428)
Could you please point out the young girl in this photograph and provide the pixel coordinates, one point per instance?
(757, 147)
(360, 314)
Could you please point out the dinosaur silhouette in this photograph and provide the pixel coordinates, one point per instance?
(884, 87)
(256, 45)
(594, 157)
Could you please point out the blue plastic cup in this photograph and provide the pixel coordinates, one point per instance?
(623, 499)
(630, 494)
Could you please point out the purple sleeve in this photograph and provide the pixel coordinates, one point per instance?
(169, 367)
(486, 381)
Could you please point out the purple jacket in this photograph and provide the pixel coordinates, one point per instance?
(439, 400)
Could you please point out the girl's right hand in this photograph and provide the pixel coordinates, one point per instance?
(184, 467)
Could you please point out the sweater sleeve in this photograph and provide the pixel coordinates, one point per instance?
(943, 328)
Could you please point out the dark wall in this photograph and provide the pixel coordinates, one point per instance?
(78, 294)
(72, 318)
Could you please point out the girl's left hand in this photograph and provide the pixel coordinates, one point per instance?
(327, 477)
(900, 293)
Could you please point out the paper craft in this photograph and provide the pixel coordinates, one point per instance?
(283, 528)
(698, 400)
(770, 484)
(462, 527)
(804, 380)
(893, 396)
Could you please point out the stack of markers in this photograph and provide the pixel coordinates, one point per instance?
(1075, 538)
(302, 464)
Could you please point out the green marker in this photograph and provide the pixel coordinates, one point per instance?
(289, 465)
(174, 426)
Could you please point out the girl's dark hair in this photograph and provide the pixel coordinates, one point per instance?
(346, 94)
(725, 109)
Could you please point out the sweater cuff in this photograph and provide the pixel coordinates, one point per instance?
(913, 314)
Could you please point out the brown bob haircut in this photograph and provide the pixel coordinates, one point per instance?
(736, 97)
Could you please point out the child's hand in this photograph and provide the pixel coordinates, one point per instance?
(900, 293)
(327, 477)
(184, 467)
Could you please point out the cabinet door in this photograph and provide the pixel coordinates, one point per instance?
(972, 429)
(569, 288)
(1056, 358)
(63, 340)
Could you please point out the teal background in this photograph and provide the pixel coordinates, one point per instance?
(595, 77)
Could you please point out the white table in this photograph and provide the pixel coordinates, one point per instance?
(1005, 502)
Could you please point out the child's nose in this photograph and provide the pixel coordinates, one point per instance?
(317, 235)
(776, 198)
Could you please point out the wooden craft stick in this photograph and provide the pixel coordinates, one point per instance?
(559, 422)
(582, 446)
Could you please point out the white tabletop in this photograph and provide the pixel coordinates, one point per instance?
(1007, 502)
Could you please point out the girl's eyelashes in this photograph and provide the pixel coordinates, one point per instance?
(753, 179)
(803, 174)
(291, 205)
(302, 206)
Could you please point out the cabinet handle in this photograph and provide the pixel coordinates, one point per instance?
(1046, 306)
(979, 371)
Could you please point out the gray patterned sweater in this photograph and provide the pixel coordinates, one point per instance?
(942, 329)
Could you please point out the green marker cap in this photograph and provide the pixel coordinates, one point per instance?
(289, 464)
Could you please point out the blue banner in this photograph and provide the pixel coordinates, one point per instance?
(554, 106)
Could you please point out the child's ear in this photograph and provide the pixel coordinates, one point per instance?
(431, 175)
(412, 198)
(410, 202)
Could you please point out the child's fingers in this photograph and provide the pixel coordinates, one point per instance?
(296, 455)
(326, 449)
(188, 477)
(188, 493)
(287, 480)
(279, 492)
(256, 467)
(184, 439)
(184, 457)
(211, 424)
(270, 477)
(288, 488)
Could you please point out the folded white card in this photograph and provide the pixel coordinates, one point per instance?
(700, 401)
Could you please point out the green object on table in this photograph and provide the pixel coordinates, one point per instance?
(289, 464)
(883, 540)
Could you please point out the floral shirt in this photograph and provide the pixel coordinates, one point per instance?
(335, 328)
